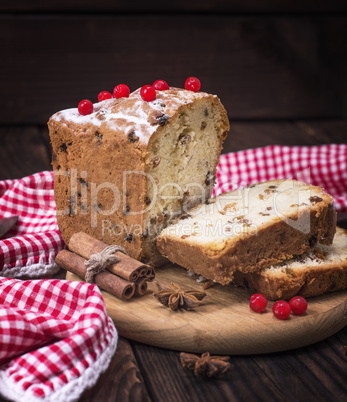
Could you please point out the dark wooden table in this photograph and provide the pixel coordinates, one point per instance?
(144, 373)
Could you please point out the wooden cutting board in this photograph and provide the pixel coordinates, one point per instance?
(224, 323)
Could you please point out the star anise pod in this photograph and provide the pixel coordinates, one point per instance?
(174, 297)
(206, 365)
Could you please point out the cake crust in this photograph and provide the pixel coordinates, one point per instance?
(320, 271)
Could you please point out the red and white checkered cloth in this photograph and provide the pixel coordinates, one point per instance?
(55, 336)
(31, 246)
(55, 339)
(60, 328)
(324, 166)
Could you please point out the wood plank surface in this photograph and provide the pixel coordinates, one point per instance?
(244, 135)
(314, 373)
(261, 68)
(244, 6)
(23, 151)
(122, 381)
(325, 131)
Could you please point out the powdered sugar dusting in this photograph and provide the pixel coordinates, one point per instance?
(131, 114)
(131, 123)
(74, 116)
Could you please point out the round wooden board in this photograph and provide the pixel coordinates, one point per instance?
(224, 323)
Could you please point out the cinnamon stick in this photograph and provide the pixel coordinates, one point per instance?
(150, 274)
(141, 287)
(127, 268)
(105, 280)
(143, 272)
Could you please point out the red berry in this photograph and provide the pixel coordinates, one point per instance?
(85, 107)
(160, 85)
(148, 93)
(121, 91)
(281, 310)
(298, 305)
(192, 84)
(104, 95)
(258, 302)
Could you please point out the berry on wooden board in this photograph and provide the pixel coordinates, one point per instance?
(103, 95)
(192, 84)
(121, 91)
(85, 107)
(148, 93)
(160, 85)
(281, 310)
(258, 303)
(298, 305)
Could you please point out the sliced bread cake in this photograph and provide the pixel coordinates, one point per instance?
(248, 229)
(124, 170)
(321, 270)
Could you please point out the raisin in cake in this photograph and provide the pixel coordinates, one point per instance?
(248, 229)
(322, 269)
(123, 171)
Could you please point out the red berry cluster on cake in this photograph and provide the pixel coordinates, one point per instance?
(148, 93)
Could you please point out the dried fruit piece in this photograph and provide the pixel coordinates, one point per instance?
(315, 199)
(185, 139)
(210, 177)
(129, 238)
(162, 119)
(83, 182)
(147, 200)
(133, 137)
(156, 161)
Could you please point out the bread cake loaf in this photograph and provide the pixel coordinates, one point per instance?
(321, 270)
(122, 172)
(248, 229)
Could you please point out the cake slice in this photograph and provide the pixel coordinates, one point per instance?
(245, 230)
(322, 269)
(122, 172)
